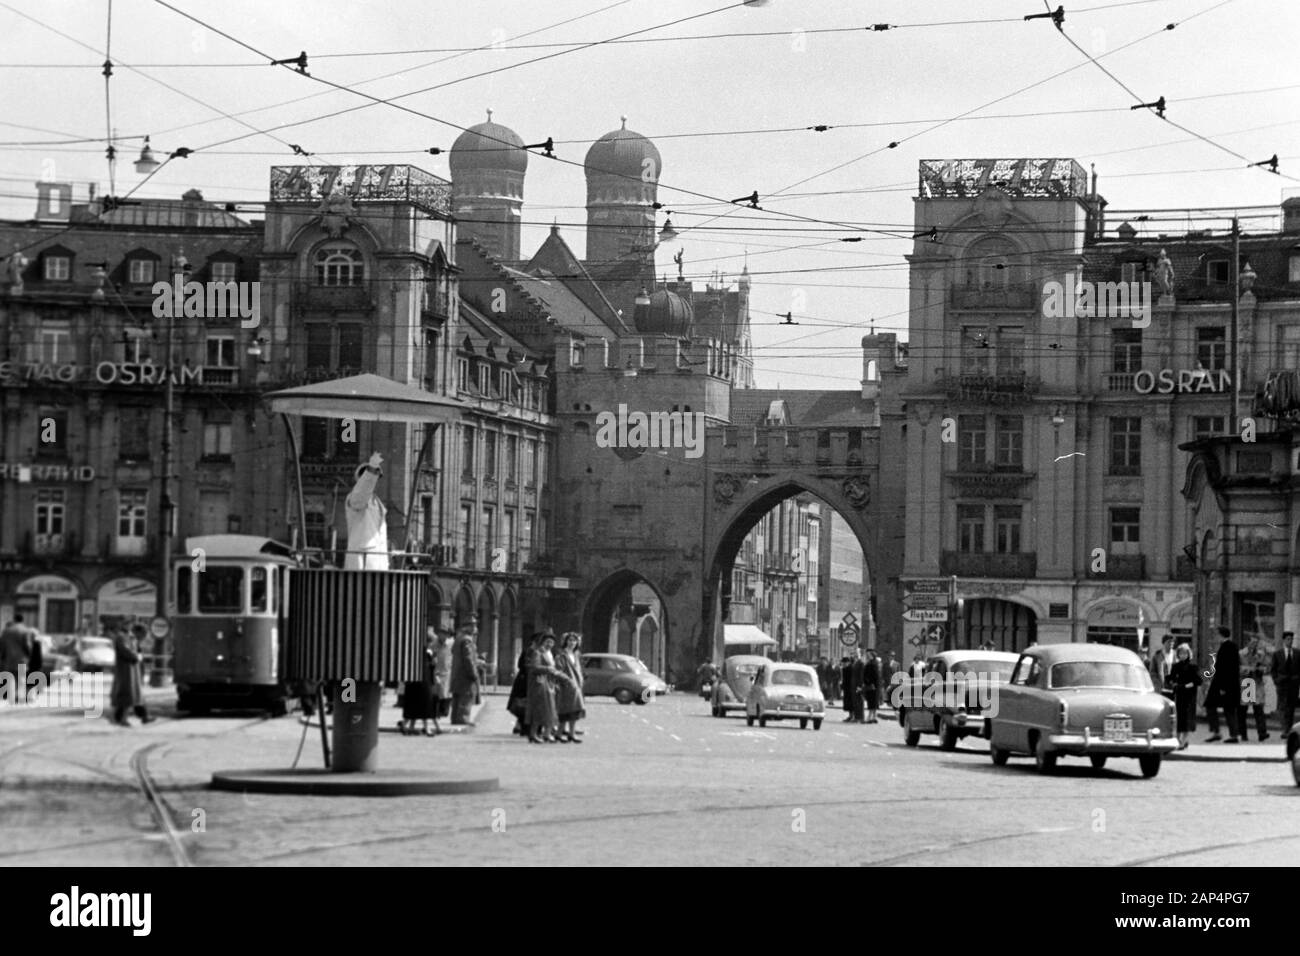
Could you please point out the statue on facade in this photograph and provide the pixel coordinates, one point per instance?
(1164, 274)
(367, 521)
(14, 266)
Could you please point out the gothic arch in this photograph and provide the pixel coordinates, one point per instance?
(604, 601)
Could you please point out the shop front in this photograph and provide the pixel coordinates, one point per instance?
(122, 602)
(48, 603)
(1117, 621)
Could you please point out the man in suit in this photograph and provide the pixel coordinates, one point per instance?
(846, 686)
(17, 645)
(1254, 665)
(1225, 688)
(857, 686)
(1286, 678)
(464, 676)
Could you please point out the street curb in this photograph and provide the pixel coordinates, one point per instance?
(1207, 758)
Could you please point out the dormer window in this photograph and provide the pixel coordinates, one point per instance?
(1217, 272)
(140, 271)
(462, 374)
(577, 353)
(485, 379)
(58, 268)
(339, 265)
(223, 270)
(1293, 267)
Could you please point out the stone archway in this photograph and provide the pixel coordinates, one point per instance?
(486, 612)
(463, 609)
(510, 642)
(615, 615)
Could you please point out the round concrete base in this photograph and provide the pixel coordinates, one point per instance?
(317, 781)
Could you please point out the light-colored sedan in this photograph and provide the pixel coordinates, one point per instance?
(1084, 700)
(95, 654)
(621, 676)
(954, 698)
(784, 691)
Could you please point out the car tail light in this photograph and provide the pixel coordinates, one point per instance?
(1065, 715)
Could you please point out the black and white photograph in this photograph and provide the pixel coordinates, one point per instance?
(689, 433)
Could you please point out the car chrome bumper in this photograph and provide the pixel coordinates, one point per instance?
(1088, 743)
(970, 723)
(804, 714)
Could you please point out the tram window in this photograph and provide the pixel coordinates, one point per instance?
(257, 590)
(221, 591)
(183, 590)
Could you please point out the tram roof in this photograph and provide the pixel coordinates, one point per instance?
(244, 546)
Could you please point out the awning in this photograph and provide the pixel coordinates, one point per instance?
(744, 634)
(369, 398)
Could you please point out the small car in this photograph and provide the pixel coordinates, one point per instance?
(731, 689)
(785, 691)
(1086, 700)
(953, 698)
(1293, 752)
(620, 676)
(94, 654)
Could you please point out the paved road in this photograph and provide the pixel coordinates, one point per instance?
(658, 784)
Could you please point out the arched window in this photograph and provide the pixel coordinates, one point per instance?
(339, 265)
(990, 263)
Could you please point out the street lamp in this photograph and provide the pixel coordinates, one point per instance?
(667, 233)
(146, 163)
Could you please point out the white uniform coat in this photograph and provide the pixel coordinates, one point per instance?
(367, 527)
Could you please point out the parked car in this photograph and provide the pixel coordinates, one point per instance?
(952, 696)
(1293, 752)
(620, 676)
(55, 658)
(1085, 700)
(731, 689)
(94, 654)
(785, 691)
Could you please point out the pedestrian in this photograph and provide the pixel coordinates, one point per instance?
(517, 702)
(857, 687)
(17, 641)
(464, 676)
(542, 676)
(871, 686)
(1254, 665)
(1225, 688)
(569, 704)
(918, 665)
(1161, 662)
(126, 694)
(887, 672)
(1285, 670)
(846, 681)
(442, 675)
(418, 702)
(1184, 677)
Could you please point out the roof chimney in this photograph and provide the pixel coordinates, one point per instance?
(53, 201)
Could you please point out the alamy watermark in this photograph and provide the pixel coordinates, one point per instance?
(952, 692)
(1104, 300)
(624, 429)
(85, 692)
(210, 300)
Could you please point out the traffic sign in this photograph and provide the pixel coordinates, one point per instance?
(925, 600)
(849, 619)
(925, 614)
(849, 636)
(927, 586)
(160, 627)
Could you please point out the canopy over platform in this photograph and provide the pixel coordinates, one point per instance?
(369, 398)
(747, 634)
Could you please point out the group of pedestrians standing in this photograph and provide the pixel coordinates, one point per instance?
(860, 681)
(546, 697)
(1236, 683)
(448, 685)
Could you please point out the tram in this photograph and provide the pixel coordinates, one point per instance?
(231, 612)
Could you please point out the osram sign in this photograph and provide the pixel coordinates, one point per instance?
(1168, 380)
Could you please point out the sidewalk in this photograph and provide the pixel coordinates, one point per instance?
(1272, 750)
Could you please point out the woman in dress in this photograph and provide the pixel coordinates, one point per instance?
(568, 694)
(1184, 677)
(542, 676)
(441, 677)
(417, 696)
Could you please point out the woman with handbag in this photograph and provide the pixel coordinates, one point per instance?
(1183, 680)
(568, 693)
(542, 678)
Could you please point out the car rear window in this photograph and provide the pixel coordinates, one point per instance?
(745, 670)
(999, 670)
(792, 678)
(1100, 674)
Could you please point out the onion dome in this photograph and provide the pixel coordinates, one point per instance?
(667, 314)
(487, 146)
(623, 153)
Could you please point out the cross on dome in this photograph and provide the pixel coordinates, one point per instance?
(489, 112)
(624, 119)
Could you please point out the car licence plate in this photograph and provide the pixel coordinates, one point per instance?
(1117, 728)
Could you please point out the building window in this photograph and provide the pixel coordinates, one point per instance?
(1011, 442)
(1126, 350)
(133, 440)
(1006, 528)
(50, 505)
(223, 271)
(1288, 347)
(339, 266)
(466, 451)
(318, 346)
(484, 379)
(1125, 530)
(970, 528)
(974, 350)
(1010, 349)
(972, 441)
(1293, 269)
(431, 360)
(53, 343)
(220, 351)
(1207, 426)
(526, 538)
(508, 532)
(216, 440)
(1126, 445)
(1217, 272)
(467, 534)
(315, 439)
(510, 467)
(351, 347)
(577, 352)
(52, 434)
(132, 514)
(530, 463)
(57, 268)
(490, 455)
(1212, 347)
(462, 374)
(488, 530)
(140, 271)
